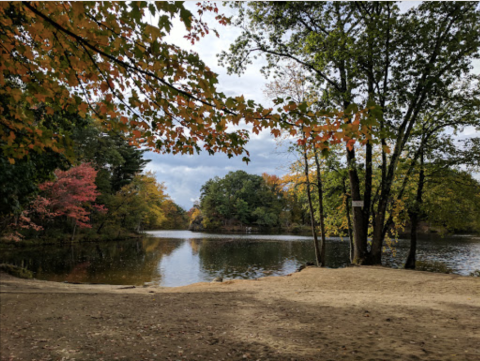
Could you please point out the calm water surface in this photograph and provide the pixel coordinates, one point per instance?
(177, 258)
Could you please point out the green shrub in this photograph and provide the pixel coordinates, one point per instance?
(15, 271)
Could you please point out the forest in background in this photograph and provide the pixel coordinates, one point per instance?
(100, 192)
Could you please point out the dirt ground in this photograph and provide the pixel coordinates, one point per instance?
(358, 313)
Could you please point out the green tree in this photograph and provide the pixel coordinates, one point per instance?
(19, 180)
(138, 205)
(175, 216)
(367, 53)
(111, 154)
(242, 198)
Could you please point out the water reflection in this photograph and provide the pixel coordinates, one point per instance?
(176, 258)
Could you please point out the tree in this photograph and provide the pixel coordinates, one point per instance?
(105, 60)
(138, 205)
(451, 200)
(19, 181)
(195, 218)
(110, 153)
(175, 216)
(433, 151)
(294, 84)
(433, 169)
(367, 53)
(242, 198)
(72, 194)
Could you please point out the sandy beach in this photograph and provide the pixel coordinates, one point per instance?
(356, 313)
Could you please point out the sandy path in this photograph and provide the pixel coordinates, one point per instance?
(360, 313)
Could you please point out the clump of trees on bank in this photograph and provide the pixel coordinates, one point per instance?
(241, 201)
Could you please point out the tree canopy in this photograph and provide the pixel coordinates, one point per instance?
(249, 199)
(106, 60)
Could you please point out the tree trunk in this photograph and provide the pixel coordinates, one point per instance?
(349, 221)
(378, 234)
(312, 216)
(415, 213)
(379, 225)
(322, 216)
(411, 259)
(74, 227)
(360, 233)
(100, 228)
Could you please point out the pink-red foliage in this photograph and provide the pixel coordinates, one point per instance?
(72, 194)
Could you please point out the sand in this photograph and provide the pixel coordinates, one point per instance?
(357, 313)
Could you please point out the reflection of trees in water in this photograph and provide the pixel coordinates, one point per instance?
(138, 261)
(239, 257)
(125, 262)
(233, 257)
(195, 244)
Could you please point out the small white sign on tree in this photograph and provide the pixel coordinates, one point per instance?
(357, 204)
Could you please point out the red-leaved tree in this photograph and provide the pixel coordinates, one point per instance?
(72, 194)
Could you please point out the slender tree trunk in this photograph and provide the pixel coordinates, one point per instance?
(349, 221)
(414, 217)
(367, 195)
(310, 206)
(378, 234)
(321, 210)
(411, 259)
(360, 233)
(379, 225)
(74, 227)
(100, 228)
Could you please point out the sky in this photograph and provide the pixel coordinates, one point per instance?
(184, 175)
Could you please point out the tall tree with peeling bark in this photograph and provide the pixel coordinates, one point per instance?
(366, 53)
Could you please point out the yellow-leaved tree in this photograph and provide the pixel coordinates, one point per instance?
(137, 206)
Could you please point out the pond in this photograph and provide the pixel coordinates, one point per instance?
(177, 258)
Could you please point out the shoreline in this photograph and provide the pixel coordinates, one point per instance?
(354, 313)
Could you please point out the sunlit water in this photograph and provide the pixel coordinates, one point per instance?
(177, 258)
